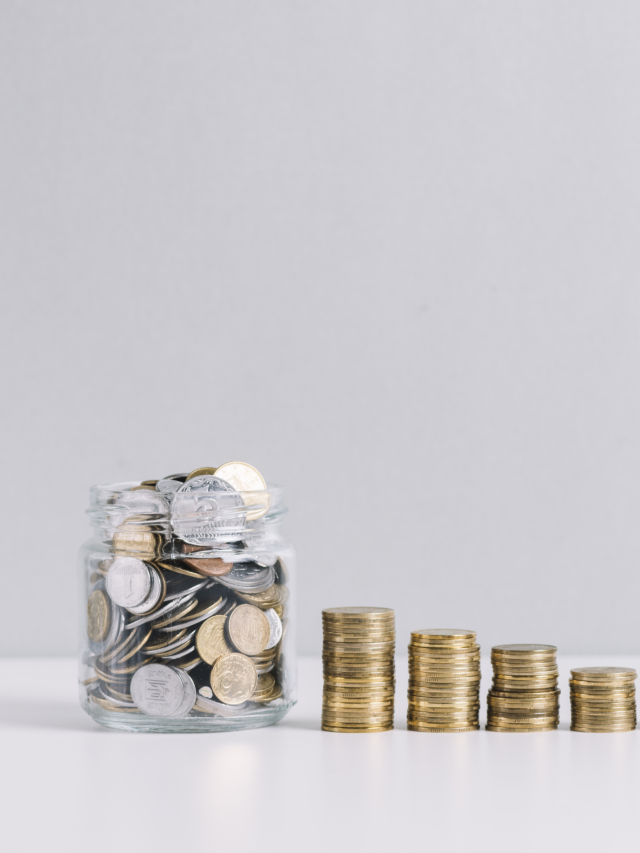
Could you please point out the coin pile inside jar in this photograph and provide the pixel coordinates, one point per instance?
(524, 696)
(358, 665)
(444, 681)
(185, 615)
(603, 699)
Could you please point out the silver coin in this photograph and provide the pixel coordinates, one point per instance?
(207, 508)
(104, 695)
(189, 694)
(154, 596)
(168, 487)
(248, 577)
(172, 644)
(181, 654)
(215, 608)
(175, 604)
(191, 590)
(191, 666)
(213, 707)
(207, 692)
(128, 581)
(158, 690)
(275, 626)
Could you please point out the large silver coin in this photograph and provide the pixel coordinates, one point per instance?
(275, 626)
(128, 581)
(248, 577)
(207, 508)
(158, 690)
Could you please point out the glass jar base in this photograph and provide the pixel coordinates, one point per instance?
(198, 722)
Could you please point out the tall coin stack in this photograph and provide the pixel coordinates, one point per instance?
(444, 681)
(603, 699)
(524, 694)
(358, 665)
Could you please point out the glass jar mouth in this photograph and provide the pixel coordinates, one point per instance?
(130, 503)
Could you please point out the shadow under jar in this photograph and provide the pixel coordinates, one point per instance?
(186, 595)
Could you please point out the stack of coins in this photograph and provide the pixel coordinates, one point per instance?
(603, 699)
(358, 666)
(444, 681)
(524, 694)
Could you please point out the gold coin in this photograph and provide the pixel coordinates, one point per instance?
(276, 594)
(135, 540)
(210, 639)
(416, 727)
(177, 615)
(98, 616)
(443, 633)
(523, 649)
(108, 706)
(264, 687)
(178, 568)
(233, 678)
(139, 644)
(357, 730)
(607, 673)
(491, 728)
(251, 485)
(357, 613)
(201, 472)
(249, 629)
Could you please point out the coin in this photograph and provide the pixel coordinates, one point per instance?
(128, 581)
(250, 483)
(98, 616)
(205, 508)
(200, 472)
(157, 690)
(210, 639)
(249, 629)
(275, 628)
(212, 567)
(233, 678)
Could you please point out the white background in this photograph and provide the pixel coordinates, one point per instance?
(387, 252)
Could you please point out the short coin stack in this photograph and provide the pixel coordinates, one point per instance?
(524, 694)
(358, 666)
(603, 699)
(444, 681)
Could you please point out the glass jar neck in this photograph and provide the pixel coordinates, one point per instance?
(202, 525)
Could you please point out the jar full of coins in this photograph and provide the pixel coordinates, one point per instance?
(186, 603)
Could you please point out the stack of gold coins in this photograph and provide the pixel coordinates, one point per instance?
(358, 666)
(524, 694)
(444, 681)
(603, 699)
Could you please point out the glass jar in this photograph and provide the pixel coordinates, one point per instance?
(186, 596)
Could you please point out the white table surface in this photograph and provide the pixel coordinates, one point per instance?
(68, 784)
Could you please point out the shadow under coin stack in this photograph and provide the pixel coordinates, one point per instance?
(444, 681)
(524, 696)
(603, 699)
(358, 665)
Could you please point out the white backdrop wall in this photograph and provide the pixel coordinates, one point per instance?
(386, 251)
